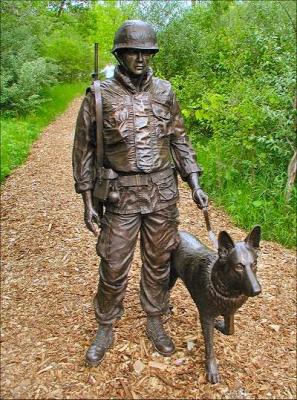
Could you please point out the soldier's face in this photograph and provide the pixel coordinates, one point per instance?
(136, 61)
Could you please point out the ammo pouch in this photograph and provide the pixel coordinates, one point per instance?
(102, 183)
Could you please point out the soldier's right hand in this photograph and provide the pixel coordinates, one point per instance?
(92, 220)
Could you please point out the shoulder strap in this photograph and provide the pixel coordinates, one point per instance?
(99, 141)
(99, 124)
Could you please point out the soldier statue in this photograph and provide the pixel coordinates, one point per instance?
(143, 147)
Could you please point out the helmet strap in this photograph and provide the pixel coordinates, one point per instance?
(122, 64)
(118, 59)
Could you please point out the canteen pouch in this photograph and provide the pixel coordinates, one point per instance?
(102, 184)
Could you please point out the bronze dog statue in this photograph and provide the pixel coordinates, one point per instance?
(219, 283)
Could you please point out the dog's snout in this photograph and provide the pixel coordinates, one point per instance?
(252, 284)
(256, 291)
(255, 288)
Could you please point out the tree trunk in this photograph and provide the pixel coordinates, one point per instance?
(292, 170)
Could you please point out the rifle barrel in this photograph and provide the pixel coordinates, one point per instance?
(96, 72)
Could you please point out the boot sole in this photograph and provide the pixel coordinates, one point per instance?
(95, 364)
(155, 347)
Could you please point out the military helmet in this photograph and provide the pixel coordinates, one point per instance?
(135, 34)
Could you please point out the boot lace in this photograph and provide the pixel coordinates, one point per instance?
(155, 327)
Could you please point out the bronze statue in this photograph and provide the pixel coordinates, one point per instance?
(219, 283)
(129, 142)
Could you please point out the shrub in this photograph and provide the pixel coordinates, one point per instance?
(23, 95)
(232, 65)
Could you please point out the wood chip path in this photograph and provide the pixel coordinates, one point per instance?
(49, 276)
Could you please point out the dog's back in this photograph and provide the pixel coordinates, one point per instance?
(191, 262)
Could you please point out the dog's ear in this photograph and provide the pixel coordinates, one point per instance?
(225, 244)
(254, 237)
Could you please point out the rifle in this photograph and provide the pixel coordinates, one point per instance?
(95, 74)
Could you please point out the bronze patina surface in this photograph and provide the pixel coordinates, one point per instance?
(219, 283)
(144, 147)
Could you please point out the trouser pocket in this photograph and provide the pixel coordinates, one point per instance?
(103, 239)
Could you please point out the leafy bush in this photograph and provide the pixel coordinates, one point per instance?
(70, 52)
(232, 65)
(23, 95)
(42, 43)
(23, 69)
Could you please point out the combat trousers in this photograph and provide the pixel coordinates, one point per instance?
(116, 245)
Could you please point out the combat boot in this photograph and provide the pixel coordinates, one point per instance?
(156, 333)
(103, 341)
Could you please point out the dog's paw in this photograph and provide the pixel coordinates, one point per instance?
(212, 372)
(213, 377)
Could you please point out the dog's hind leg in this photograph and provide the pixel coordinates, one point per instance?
(227, 326)
(207, 324)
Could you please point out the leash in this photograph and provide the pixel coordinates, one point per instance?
(211, 234)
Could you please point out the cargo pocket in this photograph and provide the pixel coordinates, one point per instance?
(167, 188)
(103, 239)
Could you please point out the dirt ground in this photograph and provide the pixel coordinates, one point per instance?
(50, 274)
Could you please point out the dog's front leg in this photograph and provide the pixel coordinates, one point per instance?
(226, 326)
(207, 324)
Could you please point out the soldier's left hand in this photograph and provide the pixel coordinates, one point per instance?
(200, 198)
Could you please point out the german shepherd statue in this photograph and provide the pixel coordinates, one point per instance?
(219, 283)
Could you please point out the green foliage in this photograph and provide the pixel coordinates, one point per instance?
(102, 20)
(251, 196)
(23, 95)
(235, 78)
(17, 134)
(43, 43)
(23, 70)
(160, 13)
(70, 53)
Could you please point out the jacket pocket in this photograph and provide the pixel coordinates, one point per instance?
(167, 188)
(113, 136)
(160, 111)
(115, 116)
(162, 117)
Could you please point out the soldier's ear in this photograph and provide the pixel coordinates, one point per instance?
(254, 237)
(225, 244)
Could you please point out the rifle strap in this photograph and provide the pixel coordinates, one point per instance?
(99, 124)
(99, 140)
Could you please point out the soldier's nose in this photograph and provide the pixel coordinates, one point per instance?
(139, 56)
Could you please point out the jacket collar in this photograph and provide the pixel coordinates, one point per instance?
(122, 77)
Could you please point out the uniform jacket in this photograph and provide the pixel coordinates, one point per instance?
(143, 133)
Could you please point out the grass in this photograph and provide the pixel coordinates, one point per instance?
(251, 201)
(17, 134)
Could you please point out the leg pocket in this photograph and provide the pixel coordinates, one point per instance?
(103, 239)
(167, 188)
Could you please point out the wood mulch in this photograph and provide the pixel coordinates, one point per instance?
(49, 276)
